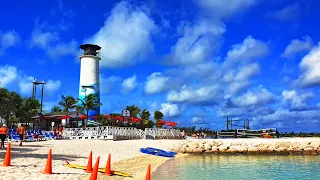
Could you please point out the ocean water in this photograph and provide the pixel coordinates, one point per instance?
(203, 167)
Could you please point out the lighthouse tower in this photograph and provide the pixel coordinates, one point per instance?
(89, 74)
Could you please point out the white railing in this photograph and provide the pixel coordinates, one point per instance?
(125, 132)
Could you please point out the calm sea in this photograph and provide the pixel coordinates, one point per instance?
(240, 167)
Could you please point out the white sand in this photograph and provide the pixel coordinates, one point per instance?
(28, 161)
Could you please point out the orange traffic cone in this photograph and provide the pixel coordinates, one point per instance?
(89, 165)
(48, 169)
(148, 176)
(94, 174)
(7, 158)
(108, 167)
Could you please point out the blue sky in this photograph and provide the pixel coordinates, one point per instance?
(197, 61)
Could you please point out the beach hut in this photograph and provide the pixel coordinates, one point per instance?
(67, 119)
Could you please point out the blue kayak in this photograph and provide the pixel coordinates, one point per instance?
(157, 152)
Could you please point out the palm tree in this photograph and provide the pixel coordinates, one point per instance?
(134, 110)
(102, 120)
(157, 116)
(30, 107)
(80, 109)
(5, 103)
(145, 119)
(89, 103)
(56, 109)
(68, 102)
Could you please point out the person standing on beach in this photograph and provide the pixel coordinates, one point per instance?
(21, 132)
(3, 134)
(60, 131)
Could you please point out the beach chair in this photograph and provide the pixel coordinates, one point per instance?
(52, 135)
(47, 136)
(41, 135)
(30, 138)
(15, 138)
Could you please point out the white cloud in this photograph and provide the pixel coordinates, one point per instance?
(63, 49)
(309, 66)
(257, 97)
(48, 38)
(25, 85)
(250, 49)
(170, 110)
(225, 8)
(297, 46)
(125, 36)
(197, 43)
(199, 120)
(42, 39)
(289, 13)
(190, 95)
(8, 39)
(107, 83)
(7, 74)
(291, 117)
(129, 84)
(296, 99)
(235, 87)
(52, 85)
(156, 83)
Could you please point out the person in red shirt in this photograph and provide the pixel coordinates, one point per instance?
(21, 131)
(3, 134)
(60, 131)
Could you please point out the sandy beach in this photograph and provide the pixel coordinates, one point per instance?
(28, 161)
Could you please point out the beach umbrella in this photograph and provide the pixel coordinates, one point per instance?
(83, 117)
(64, 117)
(171, 124)
(45, 117)
(135, 120)
(162, 121)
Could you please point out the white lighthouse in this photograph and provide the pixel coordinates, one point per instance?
(89, 74)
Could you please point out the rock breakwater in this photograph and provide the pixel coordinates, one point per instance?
(302, 146)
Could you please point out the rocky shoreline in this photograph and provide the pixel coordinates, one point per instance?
(297, 146)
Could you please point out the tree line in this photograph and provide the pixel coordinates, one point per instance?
(17, 109)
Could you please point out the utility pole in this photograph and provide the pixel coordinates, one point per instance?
(34, 93)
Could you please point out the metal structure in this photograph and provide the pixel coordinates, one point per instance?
(246, 133)
(230, 122)
(89, 74)
(118, 133)
(34, 94)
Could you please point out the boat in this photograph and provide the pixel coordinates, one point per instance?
(158, 152)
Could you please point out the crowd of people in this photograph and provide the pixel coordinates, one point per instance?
(22, 133)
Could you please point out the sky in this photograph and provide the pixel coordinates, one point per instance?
(197, 61)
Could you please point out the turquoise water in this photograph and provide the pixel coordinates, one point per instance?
(240, 167)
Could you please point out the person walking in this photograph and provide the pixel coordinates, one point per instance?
(3, 134)
(21, 131)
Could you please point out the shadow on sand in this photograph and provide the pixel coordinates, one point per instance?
(61, 157)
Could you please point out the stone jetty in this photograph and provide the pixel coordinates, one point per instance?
(302, 146)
